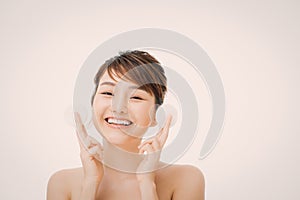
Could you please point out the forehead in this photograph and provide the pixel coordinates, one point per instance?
(117, 81)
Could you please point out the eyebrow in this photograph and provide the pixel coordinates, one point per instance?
(113, 84)
(108, 83)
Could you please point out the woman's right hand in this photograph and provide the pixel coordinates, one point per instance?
(90, 153)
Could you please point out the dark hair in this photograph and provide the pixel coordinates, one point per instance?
(138, 67)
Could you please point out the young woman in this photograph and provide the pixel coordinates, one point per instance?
(129, 89)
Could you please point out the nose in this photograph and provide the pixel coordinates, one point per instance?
(119, 104)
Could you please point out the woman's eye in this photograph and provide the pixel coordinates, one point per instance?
(107, 93)
(136, 97)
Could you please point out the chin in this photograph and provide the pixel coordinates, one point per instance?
(116, 138)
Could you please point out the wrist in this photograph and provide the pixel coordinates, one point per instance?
(147, 183)
(89, 189)
(90, 181)
(148, 190)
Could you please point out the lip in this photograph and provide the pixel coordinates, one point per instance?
(116, 126)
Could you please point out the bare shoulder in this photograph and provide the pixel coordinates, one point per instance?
(182, 172)
(187, 181)
(60, 183)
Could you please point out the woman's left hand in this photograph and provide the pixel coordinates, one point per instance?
(152, 147)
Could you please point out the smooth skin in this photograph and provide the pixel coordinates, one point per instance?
(96, 181)
(174, 182)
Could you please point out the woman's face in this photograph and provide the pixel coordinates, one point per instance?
(121, 111)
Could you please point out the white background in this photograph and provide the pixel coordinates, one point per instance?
(254, 44)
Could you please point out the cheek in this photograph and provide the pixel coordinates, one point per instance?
(100, 105)
(143, 113)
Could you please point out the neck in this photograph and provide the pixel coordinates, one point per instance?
(130, 146)
(121, 160)
(113, 175)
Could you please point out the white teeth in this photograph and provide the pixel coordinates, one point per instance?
(118, 121)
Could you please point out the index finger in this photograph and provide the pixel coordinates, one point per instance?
(79, 126)
(79, 138)
(163, 135)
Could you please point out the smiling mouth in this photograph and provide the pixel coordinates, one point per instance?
(118, 122)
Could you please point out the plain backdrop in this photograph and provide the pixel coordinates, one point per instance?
(254, 45)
